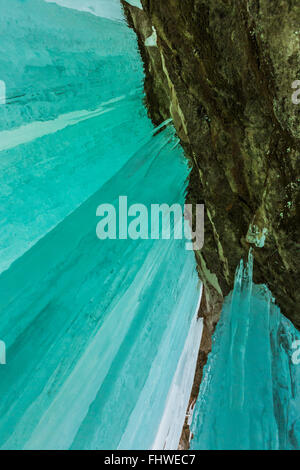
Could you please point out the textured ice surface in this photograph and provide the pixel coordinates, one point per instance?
(250, 393)
(94, 330)
(71, 119)
(105, 8)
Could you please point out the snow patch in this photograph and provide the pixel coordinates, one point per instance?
(256, 236)
(2, 92)
(152, 40)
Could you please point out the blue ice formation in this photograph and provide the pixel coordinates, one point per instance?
(73, 114)
(94, 330)
(250, 394)
(105, 8)
(99, 339)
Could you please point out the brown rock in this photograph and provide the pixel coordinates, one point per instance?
(223, 70)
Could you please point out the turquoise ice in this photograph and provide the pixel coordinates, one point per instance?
(73, 117)
(86, 321)
(94, 330)
(101, 337)
(105, 8)
(250, 394)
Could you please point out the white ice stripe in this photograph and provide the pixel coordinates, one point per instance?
(169, 432)
(104, 8)
(29, 132)
(83, 383)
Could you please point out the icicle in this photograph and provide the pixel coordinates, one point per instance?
(250, 393)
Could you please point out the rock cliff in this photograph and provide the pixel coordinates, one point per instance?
(223, 70)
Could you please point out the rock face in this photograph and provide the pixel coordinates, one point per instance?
(223, 70)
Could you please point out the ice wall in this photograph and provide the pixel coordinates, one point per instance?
(104, 8)
(71, 118)
(94, 330)
(250, 393)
